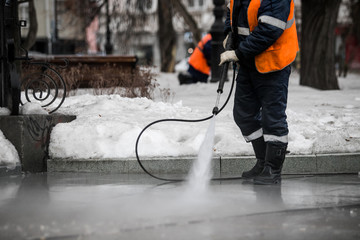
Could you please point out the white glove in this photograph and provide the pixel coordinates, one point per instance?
(225, 41)
(228, 56)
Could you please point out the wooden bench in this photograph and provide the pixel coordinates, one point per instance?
(74, 60)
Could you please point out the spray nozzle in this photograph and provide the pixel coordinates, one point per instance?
(215, 110)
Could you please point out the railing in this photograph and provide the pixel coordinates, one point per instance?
(9, 78)
(45, 87)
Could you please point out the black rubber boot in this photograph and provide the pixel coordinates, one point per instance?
(274, 159)
(259, 147)
(185, 78)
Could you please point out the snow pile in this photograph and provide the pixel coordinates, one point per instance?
(4, 111)
(8, 154)
(182, 66)
(32, 108)
(107, 126)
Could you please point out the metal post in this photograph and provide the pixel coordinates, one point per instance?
(108, 45)
(217, 34)
(48, 27)
(56, 31)
(2, 43)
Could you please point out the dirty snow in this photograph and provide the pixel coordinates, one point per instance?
(107, 126)
(8, 154)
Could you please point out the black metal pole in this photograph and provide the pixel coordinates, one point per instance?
(108, 45)
(56, 31)
(2, 42)
(217, 34)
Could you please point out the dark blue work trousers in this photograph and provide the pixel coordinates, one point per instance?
(260, 104)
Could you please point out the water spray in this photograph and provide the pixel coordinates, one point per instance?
(215, 111)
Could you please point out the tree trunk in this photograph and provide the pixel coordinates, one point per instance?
(189, 20)
(33, 27)
(355, 16)
(167, 37)
(318, 43)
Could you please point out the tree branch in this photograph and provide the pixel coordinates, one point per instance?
(189, 20)
(22, 1)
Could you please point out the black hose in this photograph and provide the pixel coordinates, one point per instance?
(183, 120)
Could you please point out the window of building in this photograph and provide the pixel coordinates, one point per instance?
(148, 4)
(191, 3)
(144, 4)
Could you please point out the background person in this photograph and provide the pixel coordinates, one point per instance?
(199, 63)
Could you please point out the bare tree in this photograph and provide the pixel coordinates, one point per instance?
(128, 19)
(167, 36)
(189, 20)
(355, 17)
(86, 10)
(318, 43)
(354, 31)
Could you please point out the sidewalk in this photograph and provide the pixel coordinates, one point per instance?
(92, 206)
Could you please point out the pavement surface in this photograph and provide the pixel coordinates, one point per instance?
(136, 206)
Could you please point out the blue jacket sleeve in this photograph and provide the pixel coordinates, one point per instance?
(227, 27)
(265, 34)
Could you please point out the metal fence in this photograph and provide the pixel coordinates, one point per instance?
(45, 87)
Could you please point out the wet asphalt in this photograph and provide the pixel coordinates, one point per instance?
(115, 206)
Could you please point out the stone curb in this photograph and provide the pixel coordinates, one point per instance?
(30, 135)
(222, 166)
(4, 171)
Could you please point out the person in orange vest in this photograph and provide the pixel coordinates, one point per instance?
(199, 63)
(265, 44)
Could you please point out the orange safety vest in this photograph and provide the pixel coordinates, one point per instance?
(197, 59)
(283, 52)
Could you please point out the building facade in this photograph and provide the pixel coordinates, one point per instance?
(60, 31)
(141, 38)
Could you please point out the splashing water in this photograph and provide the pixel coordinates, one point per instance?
(201, 173)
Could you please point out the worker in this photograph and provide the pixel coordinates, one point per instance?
(265, 44)
(199, 63)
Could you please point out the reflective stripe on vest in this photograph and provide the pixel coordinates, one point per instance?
(243, 31)
(276, 22)
(197, 59)
(264, 19)
(283, 52)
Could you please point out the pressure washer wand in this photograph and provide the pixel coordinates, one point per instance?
(223, 78)
(221, 86)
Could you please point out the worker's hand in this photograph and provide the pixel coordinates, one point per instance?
(228, 56)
